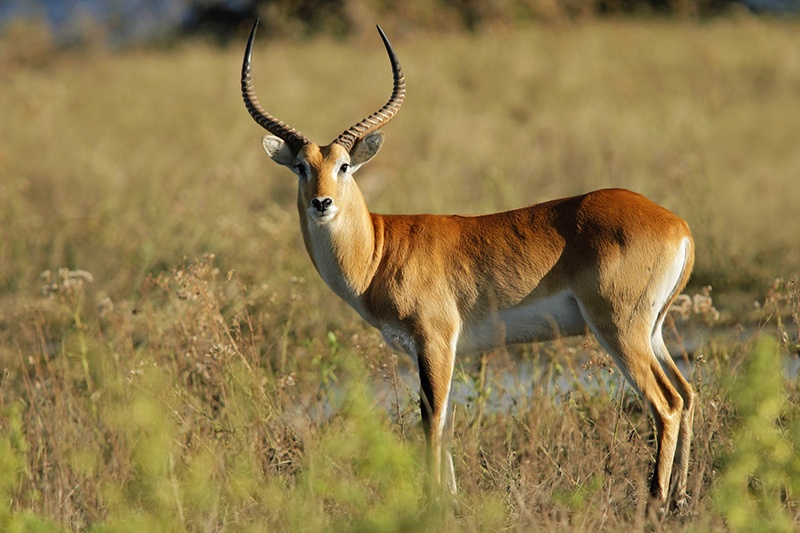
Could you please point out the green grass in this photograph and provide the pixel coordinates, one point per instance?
(148, 384)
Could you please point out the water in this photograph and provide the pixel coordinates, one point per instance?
(513, 380)
(122, 21)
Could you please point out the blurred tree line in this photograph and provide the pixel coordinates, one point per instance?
(30, 30)
(282, 18)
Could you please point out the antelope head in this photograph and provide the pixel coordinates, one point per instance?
(325, 173)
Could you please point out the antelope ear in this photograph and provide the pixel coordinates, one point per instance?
(365, 149)
(278, 151)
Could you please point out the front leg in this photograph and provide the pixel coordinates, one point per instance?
(436, 358)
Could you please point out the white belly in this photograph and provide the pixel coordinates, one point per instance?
(546, 319)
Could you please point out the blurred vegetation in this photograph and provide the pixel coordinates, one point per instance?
(226, 22)
(170, 360)
(760, 483)
(343, 17)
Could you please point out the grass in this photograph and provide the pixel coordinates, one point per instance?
(171, 360)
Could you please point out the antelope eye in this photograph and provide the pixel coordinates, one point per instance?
(300, 168)
(344, 167)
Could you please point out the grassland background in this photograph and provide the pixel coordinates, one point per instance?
(180, 390)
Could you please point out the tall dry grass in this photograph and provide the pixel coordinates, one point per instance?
(183, 409)
(171, 361)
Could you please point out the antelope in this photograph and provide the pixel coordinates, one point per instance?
(436, 286)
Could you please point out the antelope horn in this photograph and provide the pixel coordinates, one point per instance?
(280, 129)
(379, 118)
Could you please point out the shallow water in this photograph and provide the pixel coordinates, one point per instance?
(515, 377)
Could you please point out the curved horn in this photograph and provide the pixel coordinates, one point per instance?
(379, 118)
(289, 135)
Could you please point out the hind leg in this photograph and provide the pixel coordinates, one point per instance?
(681, 466)
(628, 342)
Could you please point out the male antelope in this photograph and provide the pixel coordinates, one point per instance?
(437, 285)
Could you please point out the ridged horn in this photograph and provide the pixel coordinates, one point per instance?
(377, 120)
(280, 129)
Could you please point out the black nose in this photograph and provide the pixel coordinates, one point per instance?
(321, 204)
